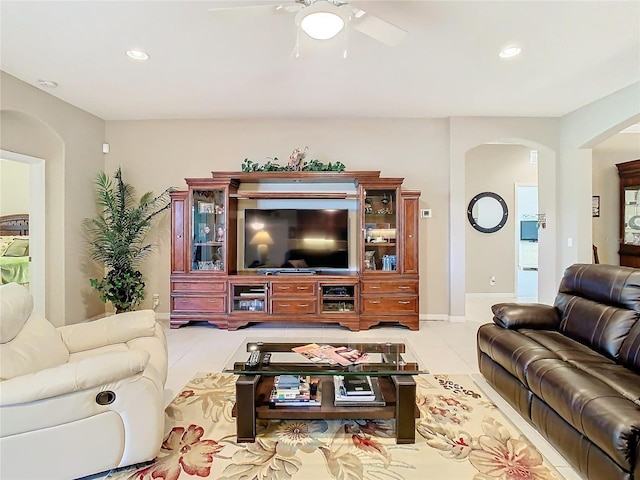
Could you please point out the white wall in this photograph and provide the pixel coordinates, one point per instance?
(14, 187)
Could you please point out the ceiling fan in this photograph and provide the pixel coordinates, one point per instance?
(324, 19)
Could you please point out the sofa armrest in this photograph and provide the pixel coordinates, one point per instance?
(119, 328)
(72, 377)
(526, 315)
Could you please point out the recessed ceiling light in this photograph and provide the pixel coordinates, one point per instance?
(47, 83)
(510, 51)
(138, 54)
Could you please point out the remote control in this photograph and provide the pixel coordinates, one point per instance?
(266, 359)
(254, 359)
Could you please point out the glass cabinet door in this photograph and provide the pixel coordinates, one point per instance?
(208, 239)
(632, 215)
(380, 230)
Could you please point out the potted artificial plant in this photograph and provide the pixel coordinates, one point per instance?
(116, 238)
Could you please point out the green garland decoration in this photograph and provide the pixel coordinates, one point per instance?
(273, 166)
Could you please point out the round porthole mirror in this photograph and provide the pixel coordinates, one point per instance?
(487, 212)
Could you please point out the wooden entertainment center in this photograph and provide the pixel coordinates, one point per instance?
(208, 237)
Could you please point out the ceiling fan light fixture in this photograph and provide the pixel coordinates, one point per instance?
(322, 20)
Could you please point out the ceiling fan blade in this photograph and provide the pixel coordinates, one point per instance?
(257, 10)
(377, 28)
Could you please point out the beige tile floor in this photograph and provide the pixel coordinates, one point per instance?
(443, 347)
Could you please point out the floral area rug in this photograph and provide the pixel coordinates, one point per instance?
(460, 435)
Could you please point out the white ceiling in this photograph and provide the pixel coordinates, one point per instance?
(208, 65)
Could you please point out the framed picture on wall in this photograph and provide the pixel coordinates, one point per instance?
(595, 206)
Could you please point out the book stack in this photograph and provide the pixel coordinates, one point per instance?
(292, 391)
(357, 390)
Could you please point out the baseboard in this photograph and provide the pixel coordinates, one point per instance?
(441, 317)
(492, 294)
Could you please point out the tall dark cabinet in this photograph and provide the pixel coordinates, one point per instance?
(629, 173)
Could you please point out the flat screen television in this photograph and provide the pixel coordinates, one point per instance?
(296, 238)
(529, 231)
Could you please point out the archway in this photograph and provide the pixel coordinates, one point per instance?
(468, 133)
(504, 181)
(27, 139)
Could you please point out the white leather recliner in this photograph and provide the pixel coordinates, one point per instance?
(79, 399)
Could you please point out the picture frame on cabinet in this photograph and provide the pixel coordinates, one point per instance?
(369, 260)
(595, 206)
(206, 207)
(204, 233)
(369, 229)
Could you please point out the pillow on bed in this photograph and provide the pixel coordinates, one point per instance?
(18, 248)
(5, 241)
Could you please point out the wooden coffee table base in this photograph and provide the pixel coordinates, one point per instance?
(252, 403)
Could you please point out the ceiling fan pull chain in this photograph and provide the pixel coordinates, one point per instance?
(297, 48)
(346, 43)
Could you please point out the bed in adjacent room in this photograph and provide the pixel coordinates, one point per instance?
(14, 248)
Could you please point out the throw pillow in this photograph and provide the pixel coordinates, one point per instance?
(18, 248)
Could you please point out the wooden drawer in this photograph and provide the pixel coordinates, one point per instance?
(293, 306)
(213, 304)
(219, 287)
(293, 288)
(390, 305)
(390, 287)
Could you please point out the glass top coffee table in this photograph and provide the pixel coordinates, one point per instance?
(391, 364)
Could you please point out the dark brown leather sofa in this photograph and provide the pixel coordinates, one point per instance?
(573, 369)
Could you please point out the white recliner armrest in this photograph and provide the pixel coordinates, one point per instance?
(72, 377)
(119, 328)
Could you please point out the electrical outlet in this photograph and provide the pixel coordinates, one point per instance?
(492, 280)
(156, 300)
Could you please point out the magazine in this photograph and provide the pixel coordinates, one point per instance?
(344, 356)
(352, 355)
(311, 352)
